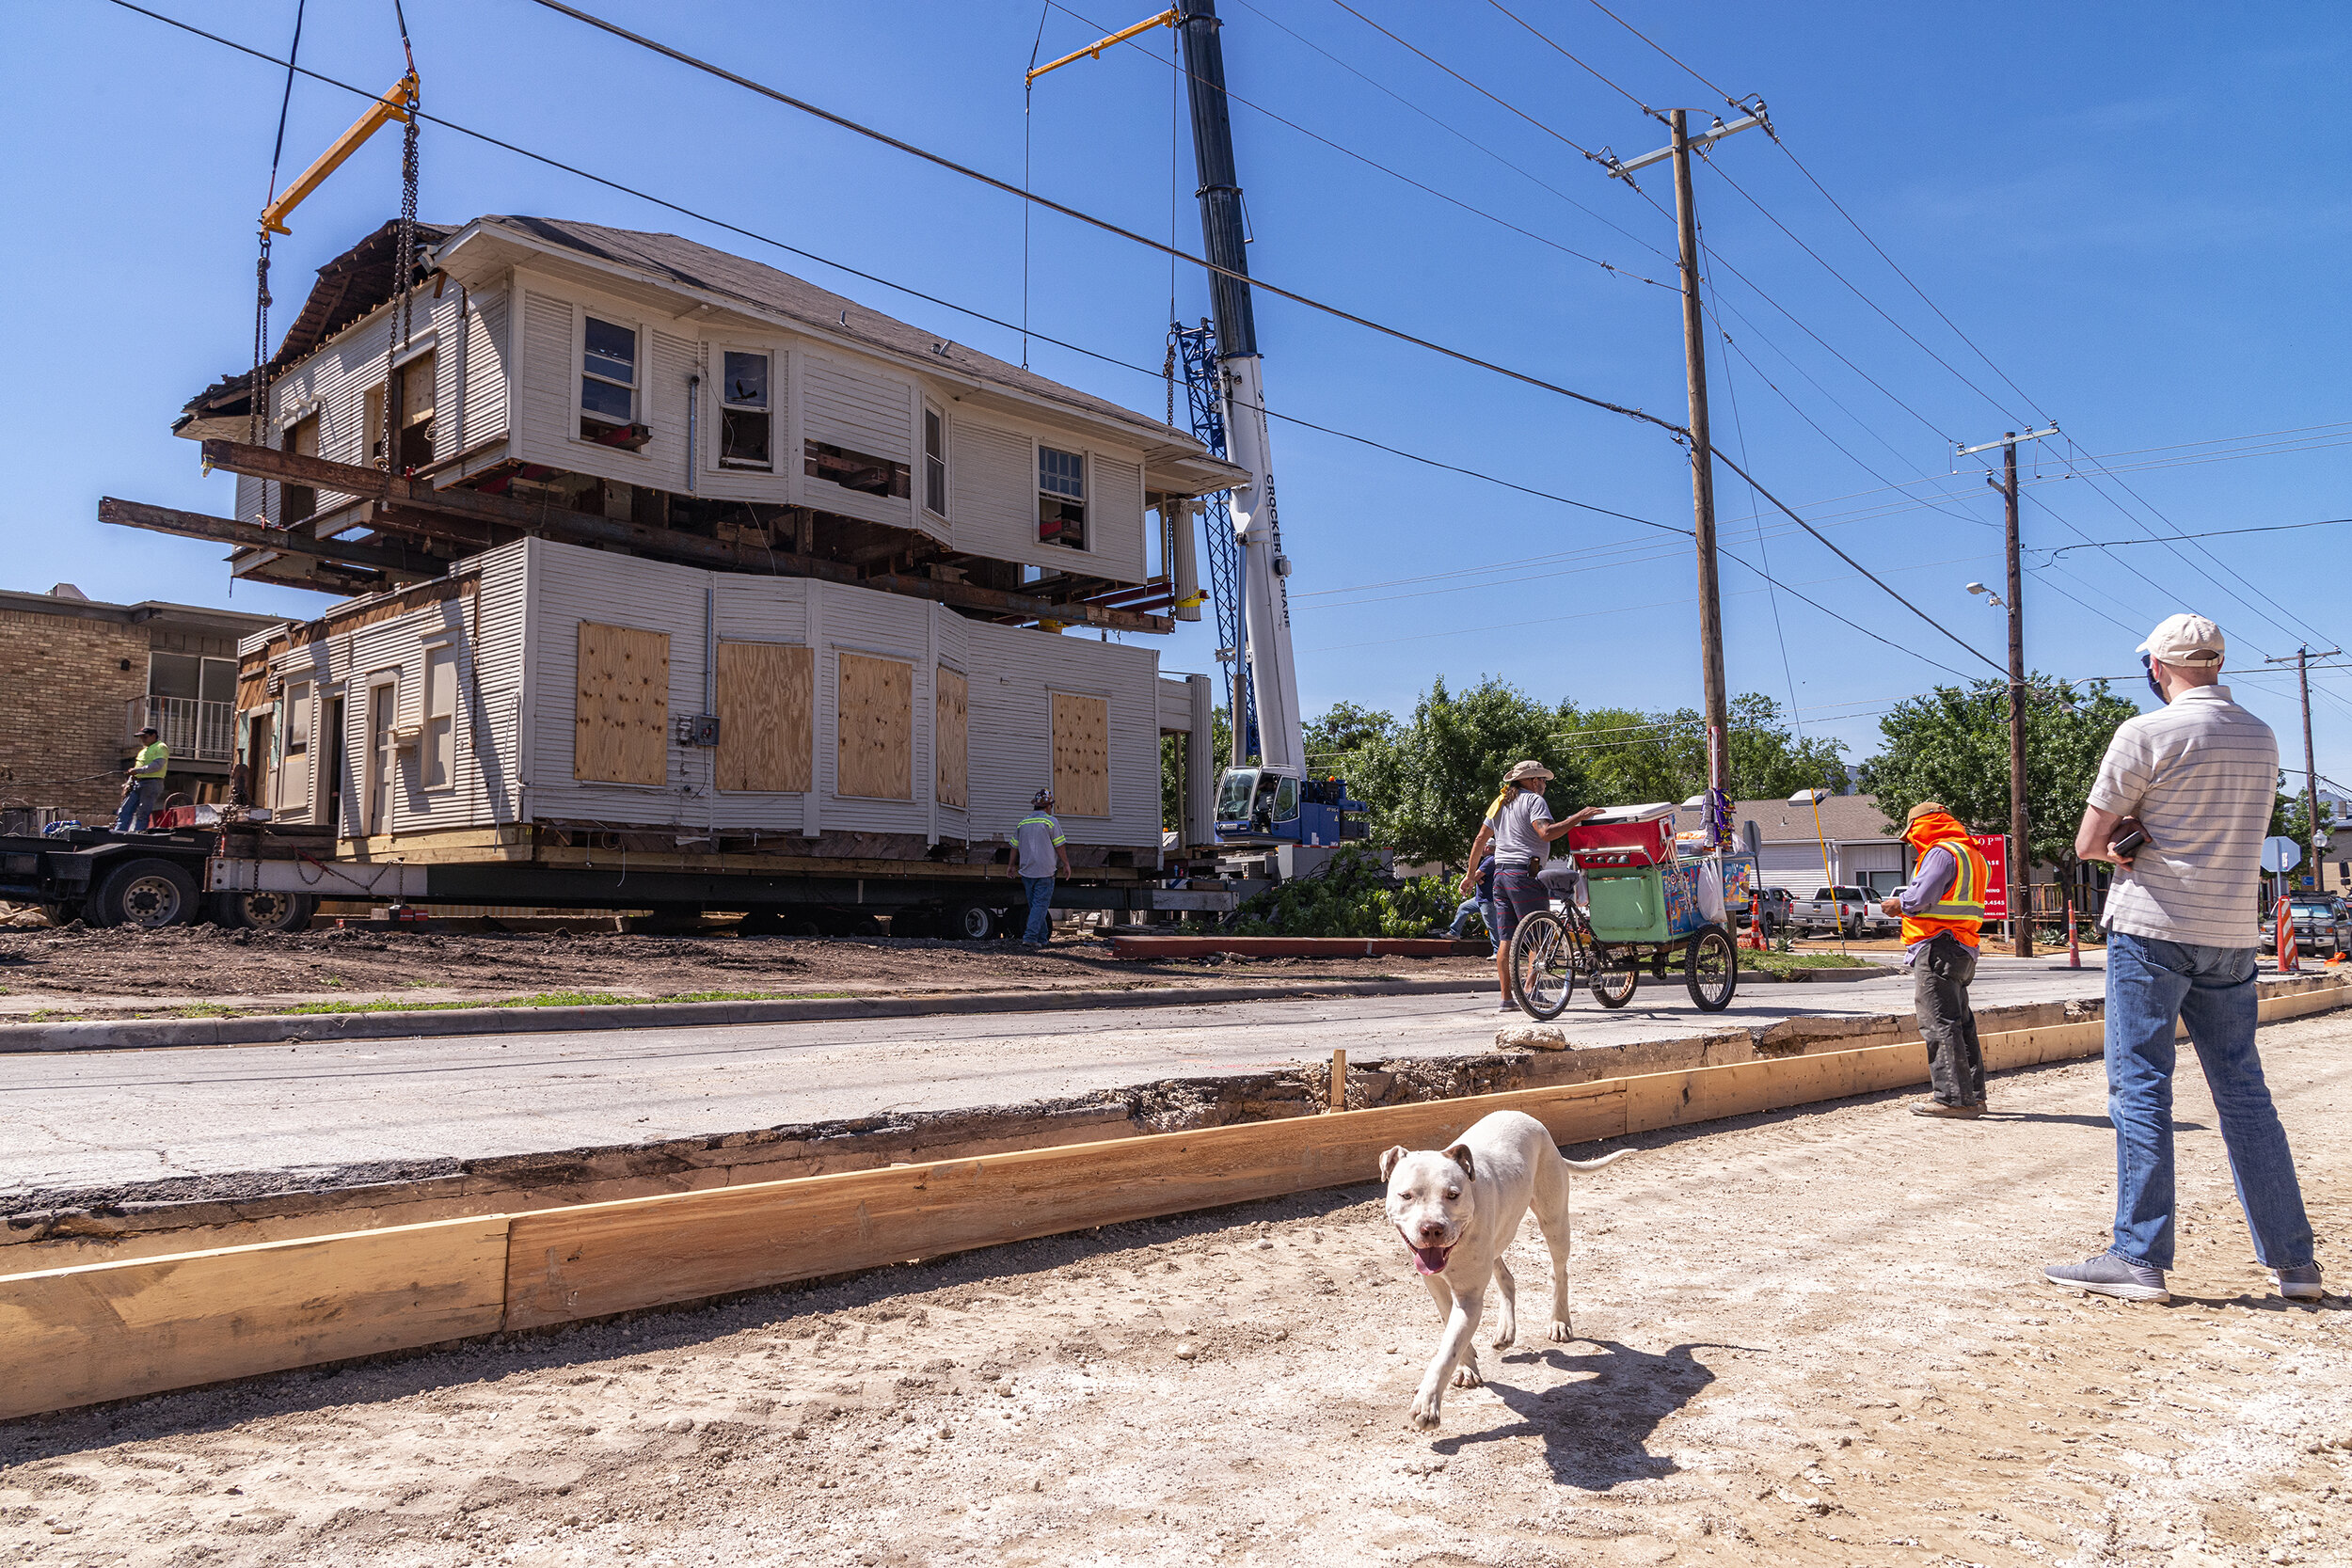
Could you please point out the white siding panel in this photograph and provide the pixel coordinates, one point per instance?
(1115, 517)
(1014, 674)
(548, 414)
(481, 411)
(992, 495)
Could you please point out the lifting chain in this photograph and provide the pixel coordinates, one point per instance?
(404, 281)
(257, 388)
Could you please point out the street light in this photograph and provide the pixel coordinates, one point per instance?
(1991, 597)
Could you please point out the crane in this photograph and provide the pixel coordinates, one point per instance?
(1267, 798)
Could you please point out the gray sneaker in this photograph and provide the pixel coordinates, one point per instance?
(2110, 1276)
(2298, 1284)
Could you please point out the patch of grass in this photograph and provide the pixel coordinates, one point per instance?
(53, 1015)
(1781, 963)
(204, 1009)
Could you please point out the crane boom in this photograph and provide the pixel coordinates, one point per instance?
(394, 106)
(1266, 617)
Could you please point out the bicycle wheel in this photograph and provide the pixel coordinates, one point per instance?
(1616, 973)
(1545, 962)
(1712, 969)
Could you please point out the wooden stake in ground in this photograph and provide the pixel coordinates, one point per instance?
(1338, 1094)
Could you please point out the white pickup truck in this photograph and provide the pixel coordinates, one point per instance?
(1848, 910)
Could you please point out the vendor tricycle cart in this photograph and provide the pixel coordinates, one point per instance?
(1644, 909)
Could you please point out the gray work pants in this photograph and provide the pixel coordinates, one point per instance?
(1946, 1022)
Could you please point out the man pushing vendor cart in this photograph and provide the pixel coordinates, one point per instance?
(1625, 900)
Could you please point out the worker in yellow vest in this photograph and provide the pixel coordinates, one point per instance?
(143, 783)
(1942, 910)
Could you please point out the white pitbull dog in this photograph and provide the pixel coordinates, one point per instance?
(1458, 1210)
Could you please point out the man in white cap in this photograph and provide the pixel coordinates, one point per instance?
(2198, 778)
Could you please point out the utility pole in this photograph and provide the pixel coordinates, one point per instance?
(2020, 857)
(1702, 451)
(2303, 657)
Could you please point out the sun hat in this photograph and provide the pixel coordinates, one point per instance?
(1922, 809)
(1528, 770)
(2184, 640)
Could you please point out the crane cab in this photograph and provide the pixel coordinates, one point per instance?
(1277, 805)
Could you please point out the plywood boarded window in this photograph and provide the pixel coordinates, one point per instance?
(874, 728)
(621, 716)
(767, 703)
(952, 733)
(1082, 756)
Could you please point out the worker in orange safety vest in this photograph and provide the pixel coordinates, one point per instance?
(1942, 910)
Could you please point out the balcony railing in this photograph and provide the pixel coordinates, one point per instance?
(198, 731)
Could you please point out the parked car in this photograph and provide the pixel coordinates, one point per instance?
(2323, 924)
(1846, 910)
(1777, 901)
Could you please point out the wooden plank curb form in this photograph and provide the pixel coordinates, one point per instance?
(108, 1331)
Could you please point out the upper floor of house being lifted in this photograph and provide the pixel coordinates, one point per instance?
(642, 392)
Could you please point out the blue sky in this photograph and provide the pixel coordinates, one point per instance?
(2136, 212)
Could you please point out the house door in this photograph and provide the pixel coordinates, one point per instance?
(257, 761)
(332, 722)
(383, 755)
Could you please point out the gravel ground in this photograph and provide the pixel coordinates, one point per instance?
(1811, 1338)
(94, 974)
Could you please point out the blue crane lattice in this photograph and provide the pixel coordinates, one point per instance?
(1197, 347)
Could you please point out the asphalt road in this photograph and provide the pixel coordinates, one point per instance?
(115, 1119)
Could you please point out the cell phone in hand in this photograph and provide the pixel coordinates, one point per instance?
(2129, 841)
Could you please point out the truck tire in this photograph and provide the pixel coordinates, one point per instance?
(145, 893)
(264, 911)
(975, 923)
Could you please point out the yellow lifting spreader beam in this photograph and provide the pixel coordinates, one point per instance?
(392, 107)
(1095, 50)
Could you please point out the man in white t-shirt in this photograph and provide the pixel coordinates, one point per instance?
(2198, 778)
(1040, 851)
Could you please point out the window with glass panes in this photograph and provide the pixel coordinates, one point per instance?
(935, 461)
(1061, 498)
(746, 422)
(608, 377)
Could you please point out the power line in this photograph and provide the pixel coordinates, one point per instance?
(1454, 130)
(2211, 533)
(1579, 62)
(1660, 48)
(1077, 215)
(1147, 53)
(1464, 80)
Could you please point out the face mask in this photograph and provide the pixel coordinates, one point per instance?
(2149, 664)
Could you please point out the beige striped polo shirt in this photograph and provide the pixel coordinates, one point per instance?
(2201, 774)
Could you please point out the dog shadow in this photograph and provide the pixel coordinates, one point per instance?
(1596, 1425)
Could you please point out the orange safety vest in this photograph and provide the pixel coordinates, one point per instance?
(1960, 910)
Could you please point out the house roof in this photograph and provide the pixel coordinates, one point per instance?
(361, 279)
(1844, 819)
(186, 616)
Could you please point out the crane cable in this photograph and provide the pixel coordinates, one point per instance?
(258, 392)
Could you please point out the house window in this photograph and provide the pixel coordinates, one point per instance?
(440, 717)
(608, 380)
(297, 502)
(935, 461)
(1061, 498)
(745, 421)
(293, 787)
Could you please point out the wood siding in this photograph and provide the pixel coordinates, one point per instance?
(621, 713)
(767, 716)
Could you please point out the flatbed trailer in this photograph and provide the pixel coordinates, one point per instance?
(273, 877)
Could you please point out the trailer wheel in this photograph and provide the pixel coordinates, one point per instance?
(976, 923)
(269, 910)
(146, 893)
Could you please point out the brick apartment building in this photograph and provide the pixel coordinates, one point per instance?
(78, 678)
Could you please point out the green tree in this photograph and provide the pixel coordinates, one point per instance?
(1345, 730)
(1635, 757)
(1951, 745)
(1429, 780)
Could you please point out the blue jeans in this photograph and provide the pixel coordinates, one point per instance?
(1040, 893)
(138, 806)
(1460, 930)
(2149, 984)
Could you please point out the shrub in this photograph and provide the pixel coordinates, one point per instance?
(1351, 896)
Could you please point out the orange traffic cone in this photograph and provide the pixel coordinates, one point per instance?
(2286, 940)
(2073, 946)
(1756, 922)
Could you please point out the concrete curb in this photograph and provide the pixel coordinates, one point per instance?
(154, 1034)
